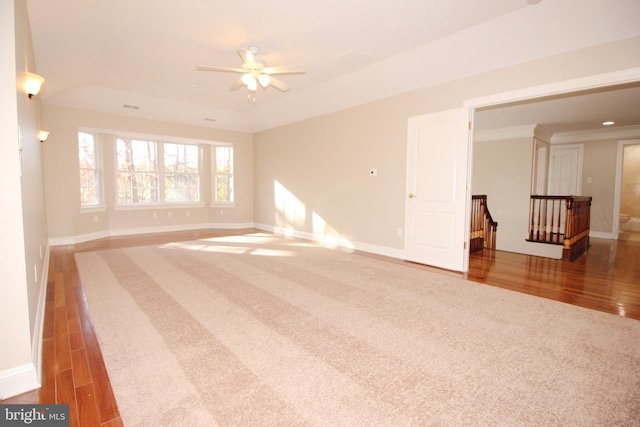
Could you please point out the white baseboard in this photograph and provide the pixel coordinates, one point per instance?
(72, 240)
(603, 235)
(23, 378)
(36, 344)
(331, 242)
(18, 380)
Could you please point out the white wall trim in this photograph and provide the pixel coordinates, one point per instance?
(334, 242)
(618, 182)
(596, 135)
(524, 131)
(36, 340)
(603, 235)
(18, 380)
(566, 86)
(72, 240)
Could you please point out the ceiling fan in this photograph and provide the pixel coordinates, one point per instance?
(254, 71)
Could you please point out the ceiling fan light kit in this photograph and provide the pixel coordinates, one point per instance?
(254, 71)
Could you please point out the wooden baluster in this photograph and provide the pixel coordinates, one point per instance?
(558, 230)
(538, 225)
(569, 221)
(553, 217)
(483, 220)
(533, 209)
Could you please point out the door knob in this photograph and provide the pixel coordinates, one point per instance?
(411, 195)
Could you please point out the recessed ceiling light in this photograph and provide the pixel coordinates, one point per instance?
(607, 123)
(210, 119)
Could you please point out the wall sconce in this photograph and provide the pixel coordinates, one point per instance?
(32, 84)
(43, 135)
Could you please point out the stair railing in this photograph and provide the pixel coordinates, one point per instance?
(483, 227)
(561, 220)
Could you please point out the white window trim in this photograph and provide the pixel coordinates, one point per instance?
(214, 202)
(93, 208)
(156, 206)
(226, 205)
(99, 162)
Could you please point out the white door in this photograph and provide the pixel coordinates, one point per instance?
(437, 196)
(565, 170)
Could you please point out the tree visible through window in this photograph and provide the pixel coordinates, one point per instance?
(224, 174)
(181, 173)
(137, 171)
(89, 170)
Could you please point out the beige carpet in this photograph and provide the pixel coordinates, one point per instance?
(262, 331)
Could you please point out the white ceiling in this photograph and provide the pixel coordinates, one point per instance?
(101, 55)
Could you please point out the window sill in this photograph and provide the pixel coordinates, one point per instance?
(93, 209)
(150, 206)
(223, 205)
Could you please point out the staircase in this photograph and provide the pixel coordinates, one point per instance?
(483, 227)
(561, 220)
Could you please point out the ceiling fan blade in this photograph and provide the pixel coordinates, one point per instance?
(246, 55)
(236, 85)
(278, 84)
(215, 68)
(284, 69)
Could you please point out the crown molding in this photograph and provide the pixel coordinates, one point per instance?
(513, 132)
(596, 135)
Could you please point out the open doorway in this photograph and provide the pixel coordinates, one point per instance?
(564, 113)
(628, 189)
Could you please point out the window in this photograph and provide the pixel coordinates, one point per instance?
(137, 171)
(90, 176)
(223, 175)
(154, 172)
(181, 173)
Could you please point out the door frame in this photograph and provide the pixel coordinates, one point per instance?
(617, 197)
(566, 86)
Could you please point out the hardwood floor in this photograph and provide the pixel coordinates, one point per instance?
(607, 278)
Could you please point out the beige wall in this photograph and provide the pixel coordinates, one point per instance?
(502, 171)
(23, 235)
(599, 164)
(67, 222)
(323, 162)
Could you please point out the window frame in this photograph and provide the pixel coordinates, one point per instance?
(98, 173)
(214, 174)
(163, 187)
